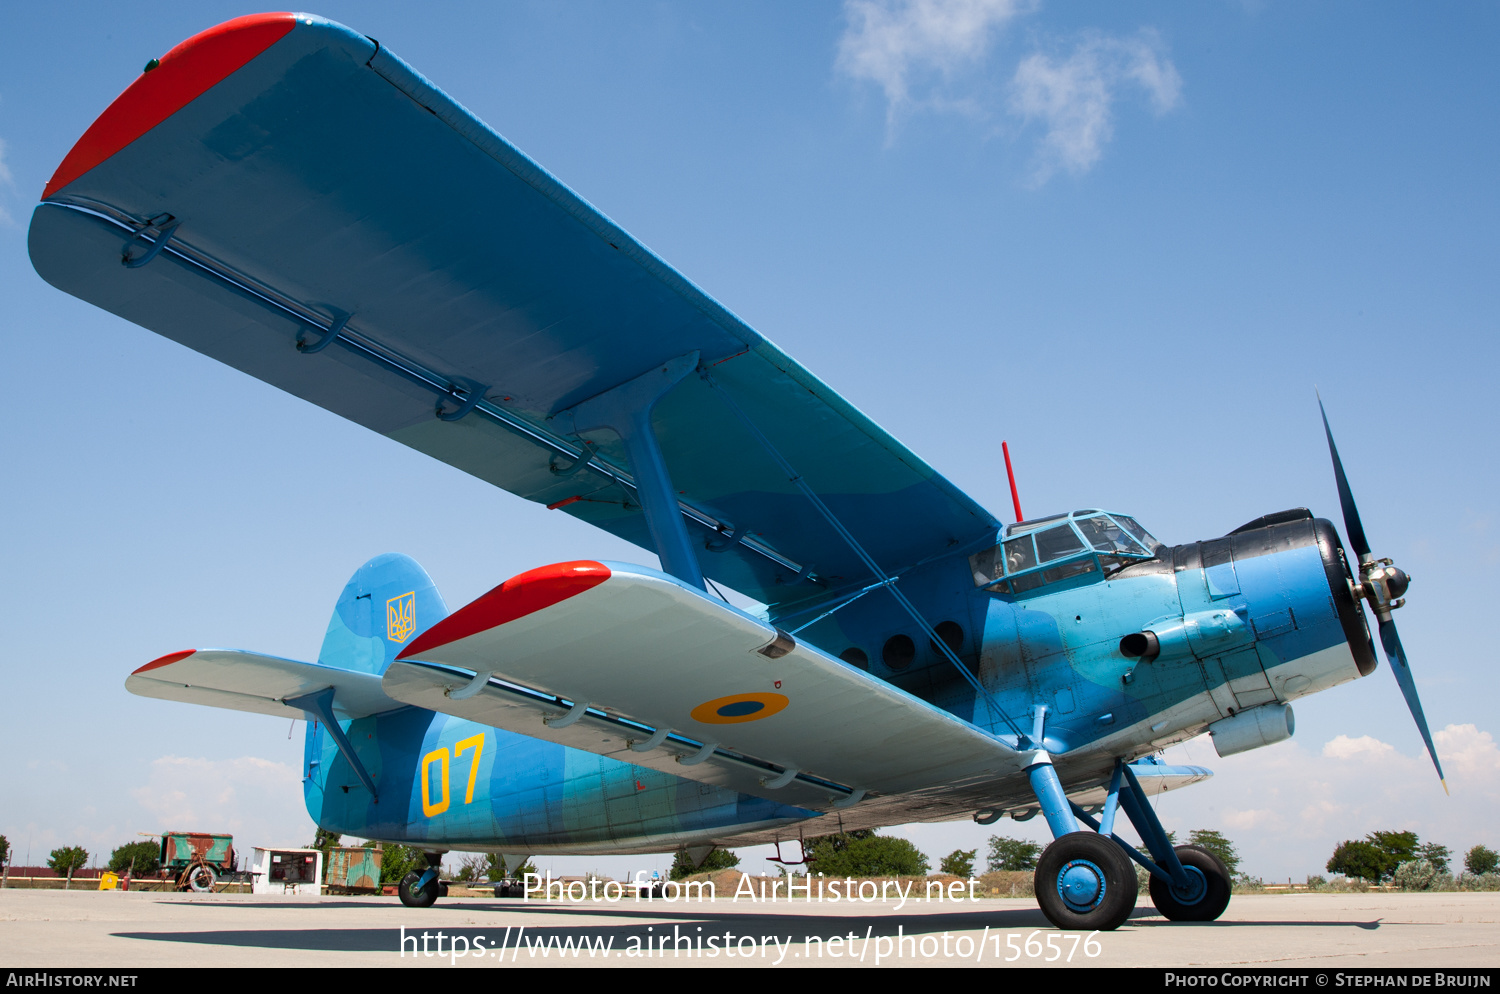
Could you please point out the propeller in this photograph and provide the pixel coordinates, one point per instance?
(1383, 585)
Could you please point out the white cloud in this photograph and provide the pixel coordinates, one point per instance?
(1287, 806)
(1073, 97)
(897, 44)
(256, 799)
(1343, 747)
(931, 55)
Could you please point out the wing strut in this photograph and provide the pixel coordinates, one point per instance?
(859, 550)
(626, 411)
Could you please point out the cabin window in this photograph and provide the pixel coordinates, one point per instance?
(898, 652)
(856, 657)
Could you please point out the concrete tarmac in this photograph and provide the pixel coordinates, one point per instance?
(113, 930)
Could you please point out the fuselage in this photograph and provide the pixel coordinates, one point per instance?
(1255, 619)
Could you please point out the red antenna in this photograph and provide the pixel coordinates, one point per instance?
(1015, 497)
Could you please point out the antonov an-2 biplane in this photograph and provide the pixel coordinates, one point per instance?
(287, 196)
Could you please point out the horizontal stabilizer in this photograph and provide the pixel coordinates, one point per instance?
(601, 656)
(249, 681)
(1153, 778)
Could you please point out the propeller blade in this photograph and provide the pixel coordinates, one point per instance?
(1352, 525)
(1396, 655)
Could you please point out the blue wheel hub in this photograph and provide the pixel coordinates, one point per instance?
(1081, 885)
(1196, 890)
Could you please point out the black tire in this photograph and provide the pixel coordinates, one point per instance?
(1079, 858)
(442, 888)
(413, 898)
(201, 879)
(1210, 903)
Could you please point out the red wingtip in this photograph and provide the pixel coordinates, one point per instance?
(183, 73)
(515, 598)
(166, 660)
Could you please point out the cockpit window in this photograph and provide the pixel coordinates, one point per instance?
(1055, 543)
(1141, 534)
(1019, 554)
(1106, 536)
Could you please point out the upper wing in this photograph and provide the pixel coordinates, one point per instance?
(602, 656)
(300, 174)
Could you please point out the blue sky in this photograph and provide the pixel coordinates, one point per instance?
(1130, 239)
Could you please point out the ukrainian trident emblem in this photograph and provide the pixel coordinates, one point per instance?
(401, 616)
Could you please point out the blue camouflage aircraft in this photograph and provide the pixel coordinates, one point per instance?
(287, 196)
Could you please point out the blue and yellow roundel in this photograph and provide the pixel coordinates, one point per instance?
(739, 707)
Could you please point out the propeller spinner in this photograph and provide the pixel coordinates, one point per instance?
(1384, 586)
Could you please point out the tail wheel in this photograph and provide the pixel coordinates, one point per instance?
(414, 898)
(1085, 881)
(1208, 892)
(201, 879)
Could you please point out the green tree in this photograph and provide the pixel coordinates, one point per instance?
(67, 859)
(1357, 858)
(1435, 854)
(1013, 854)
(141, 859)
(960, 862)
(719, 859)
(1481, 860)
(1374, 857)
(4, 849)
(1218, 845)
(396, 861)
(862, 853)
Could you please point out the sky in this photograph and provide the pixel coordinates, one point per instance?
(1130, 239)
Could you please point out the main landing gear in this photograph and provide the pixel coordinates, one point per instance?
(1084, 879)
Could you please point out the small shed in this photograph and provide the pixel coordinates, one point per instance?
(353, 870)
(287, 871)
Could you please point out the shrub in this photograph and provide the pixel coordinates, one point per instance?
(1415, 874)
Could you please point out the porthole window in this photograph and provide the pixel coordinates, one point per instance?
(855, 657)
(952, 634)
(898, 652)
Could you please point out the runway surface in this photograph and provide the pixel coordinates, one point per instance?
(83, 929)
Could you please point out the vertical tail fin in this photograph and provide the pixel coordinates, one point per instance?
(389, 601)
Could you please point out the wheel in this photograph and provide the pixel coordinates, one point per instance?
(201, 879)
(442, 888)
(1085, 881)
(1209, 896)
(413, 898)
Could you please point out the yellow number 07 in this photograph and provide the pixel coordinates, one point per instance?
(475, 742)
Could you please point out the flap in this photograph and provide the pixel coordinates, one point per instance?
(611, 652)
(249, 681)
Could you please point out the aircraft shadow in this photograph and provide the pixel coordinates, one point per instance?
(683, 924)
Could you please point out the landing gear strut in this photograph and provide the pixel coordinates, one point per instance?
(1084, 880)
(421, 890)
